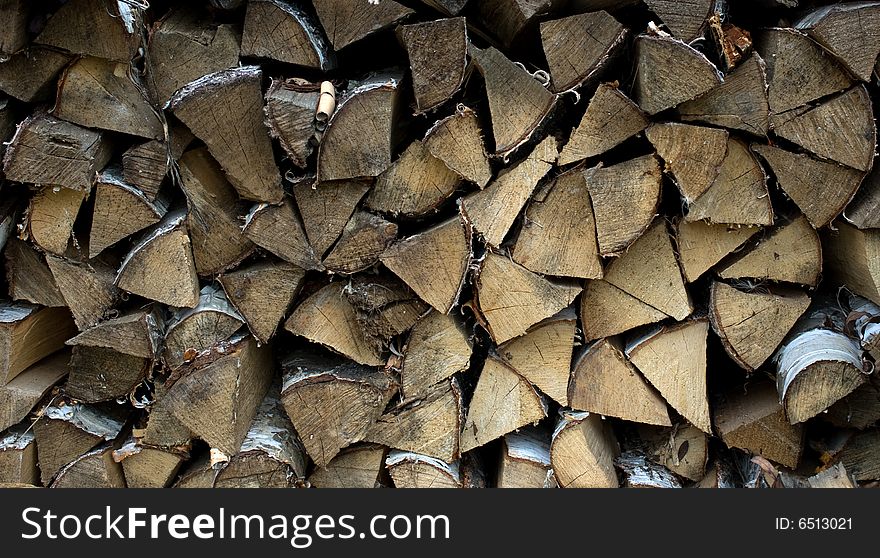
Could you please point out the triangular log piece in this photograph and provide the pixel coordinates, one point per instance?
(16, 18)
(285, 32)
(262, 293)
(87, 288)
(384, 307)
(739, 103)
(582, 452)
(791, 252)
(160, 266)
(98, 93)
(290, 116)
(332, 401)
(752, 419)
(492, 211)
(577, 47)
(751, 325)
(148, 467)
(503, 401)
(28, 334)
(185, 47)
(225, 110)
(558, 236)
(693, 154)
(458, 141)
(437, 348)
(701, 245)
(604, 382)
(411, 470)
(859, 456)
(685, 20)
(358, 466)
(347, 21)
(360, 135)
(193, 331)
(51, 215)
(673, 359)
(95, 28)
(145, 165)
(518, 103)
(163, 430)
(625, 199)
(512, 299)
(669, 72)
(606, 310)
(328, 318)
(505, 19)
(437, 52)
(847, 31)
(24, 392)
(863, 210)
(649, 271)
(684, 449)
(218, 395)
(854, 260)
(29, 75)
(610, 119)
(429, 426)
(46, 150)
(278, 229)
(137, 333)
(434, 262)
(28, 275)
(120, 210)
(18, 457)
(95, 469)
(98, 374)
(415, 184)
(525, 460)
(212, 219)
(326, 207)
(543, 354)
(739, 195)
(832, 477)
(798, 69)
(639, 472)
(841, 128)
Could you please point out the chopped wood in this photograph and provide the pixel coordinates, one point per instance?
(411, 470)
(701, 245)
(278, 229)
(853, 261)
(28, 275)
(19, 396)
(506, 19)
(863, 210)
(18, 457)
(731, 42)
(95, 469)
(290, 116)
(87, 288)
(438, 70)
(385, 308)
(148, 467)
(163, 430)
(51, 216)
(98, 374)
(285, 32)
(137, 333)
(30, 74)
(29, 333)
(458, 141)
(525, 460)
(693, 154)
(638, 472)
(451, 7)
(843, 29)
(120, 210)
(582, 452)
(606, 310)
(326, 208)
(437, 348)
(860, 409)
(348, 21)
(145, 165)
(95, 28)
(685, 19)
(193, 331)
(859, 456)
(684, 449)
(14, 24)
(832, 477)
(577, 47)
(357, 466)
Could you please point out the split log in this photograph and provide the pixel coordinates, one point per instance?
(148, 467)
(611, 118)
(669, 72)
(46, 150)
(230, 382)
(194, 331)
(145, 165)
(852, 260)
(751, 325)
(14, 25)
(19, 396)
(278, 229)
(137, 333)
(693, 154)
(503, 401)
(673, 359)
(357, 466)
(95, 469)
(791, 252)
(28, 275)
(519, 104)
(30, 74)
(844, 31)
(328, 318)
(332, 401)
(95, 28)
(364, 239)
(433, 263)
(437, 348)
(98, 93)
(348, 21)
(120, 210)
(604, 382)
(163, 430)
(525, 460)
(864, 320)
(685, 20)
(411, 470)
(638, 472)
(160, 266)
(226, 105)
(701, 245)
(863, 210)
(582, 452)
(578, 47)
(285, 32)
(606, 310)
(18, 457)
(511, 298)
(558, 236)
(860, 409)
(625, 199)
(326, 208)
(732, 43)
(51, 215)
(437, 52)
(458, 142)
(212, 219)
(290, 115)
(87, 288)
(860, 457)
(507, 19)
(543, 354)
(684, 449)
(262, 293)
(29, 333)
(385, 308)
(752, 419)
(832, 477)
(360, 135)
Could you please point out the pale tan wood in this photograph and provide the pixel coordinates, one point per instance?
(684, 449)
(19, 396)
(525, 460)
(693, 154)
(437, 348)
(18, 457)
(363, 240)
(701, 245)
(832, 477)
(669, 72)
(582, 452)
(458, 141)
(194, 331)
(148, 467)
(437, 52)
(51, 216)
(853, 259)
(120, 210)
(87, 288)
(29, 333)
(278, 229)
(606, 310)
(385, 309)
(95, 469)
(577, 47)
(326, 207)
(845, 31)
(411, 470)
(358, 466)
(136, 333)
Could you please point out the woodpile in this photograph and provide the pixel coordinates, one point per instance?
(439, 243)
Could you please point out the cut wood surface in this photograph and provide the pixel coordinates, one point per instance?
(702, 245)
(525, 460)
(29, 333)
(285, 32)
(23, 392)
(436, 349)
(192, 331)
(693, 154)
(582, 452)
(326, 208)
(437, 72)
(290, 116)
(87, 288)
(94, 28)
(578, 46)
(685, 19)
(841, 29)
(347, 21)
(853, 260)
(40, 65)
(51, 216)
(606, 310)
(120, 210)
(458, 142)
(278, 229)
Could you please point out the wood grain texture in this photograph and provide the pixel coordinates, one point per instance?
(693, 154)
(87, 288)
(28, 275)
(582, 452)
(701, 245)
(685, 19)
(670, 73)
(437, 348)
(458, 141)
(326, 207)
(19, 396)
(606, 310)
(578, 46)
(278, 229)
(438, 70)
(285, 32)
(30, 75)
(853, 259)
(93, 28)
(51, 216)
(120, 210)
(348, 21)
(846, 30)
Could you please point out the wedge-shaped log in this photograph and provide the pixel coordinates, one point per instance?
(582, 452)
(437, 52)
(285, 32)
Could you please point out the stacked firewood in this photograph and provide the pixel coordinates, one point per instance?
(357, 243)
